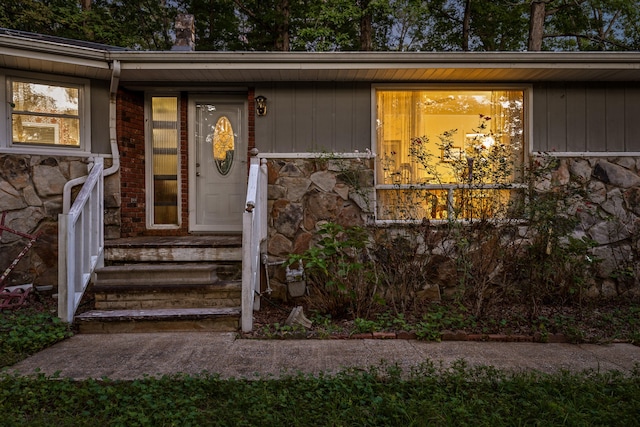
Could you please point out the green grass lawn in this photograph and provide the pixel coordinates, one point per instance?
(427, 396)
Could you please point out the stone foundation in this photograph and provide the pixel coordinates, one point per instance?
(306, 192)
(609, 213)
(31, 195)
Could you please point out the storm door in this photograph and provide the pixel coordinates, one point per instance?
(218, 164)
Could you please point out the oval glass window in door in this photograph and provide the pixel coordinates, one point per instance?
(223, 145)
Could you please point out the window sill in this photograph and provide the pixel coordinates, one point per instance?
(47, 151)
(408, 223)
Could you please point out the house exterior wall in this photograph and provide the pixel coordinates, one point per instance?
(131, 133)
(314, 117)
(31, 196)
(335, 117)
(607, 207)
(100, 117)
(131, 142)
(304, 193)
(586, 117)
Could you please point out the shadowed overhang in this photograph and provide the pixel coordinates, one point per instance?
(202, 68)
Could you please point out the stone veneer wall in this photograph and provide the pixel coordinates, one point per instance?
(305, 192)
(609, 214)
(31, 195)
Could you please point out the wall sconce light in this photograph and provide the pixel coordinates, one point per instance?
(261, 105)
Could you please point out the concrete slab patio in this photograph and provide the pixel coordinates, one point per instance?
(131, 356)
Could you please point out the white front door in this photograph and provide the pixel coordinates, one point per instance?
(217, 163)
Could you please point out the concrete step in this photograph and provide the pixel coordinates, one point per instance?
(222, 294)
(163, 274)
(167, 286)
(173, 283)
(174, 249)
(159, 320)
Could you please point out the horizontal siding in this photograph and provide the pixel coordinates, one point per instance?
(586, 117)
(314, 117)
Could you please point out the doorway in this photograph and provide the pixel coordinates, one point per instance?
(217, 163)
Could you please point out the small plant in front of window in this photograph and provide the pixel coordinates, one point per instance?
(339, 271)
(480, 176)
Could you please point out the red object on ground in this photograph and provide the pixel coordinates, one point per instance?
(14, 298)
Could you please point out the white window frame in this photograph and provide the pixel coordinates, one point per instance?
(149, 178)
(527, 136)
(7, 144)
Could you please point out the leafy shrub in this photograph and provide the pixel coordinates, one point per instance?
(402, 265)
(521, 245)
(339, 271)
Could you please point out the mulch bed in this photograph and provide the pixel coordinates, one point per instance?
(605, 322)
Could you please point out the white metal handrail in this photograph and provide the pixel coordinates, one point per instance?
(254, 234)
(80, 242)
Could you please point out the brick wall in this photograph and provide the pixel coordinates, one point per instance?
(130, 130)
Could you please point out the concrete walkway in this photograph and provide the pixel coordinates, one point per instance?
(130, 356)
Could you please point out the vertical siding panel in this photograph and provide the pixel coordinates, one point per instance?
(539, 119)
(307, 117)
(285, 116)
(615, 118)
(632, 119)
(363, 120)
(325, 116)
(596, 114)
(99, 110)
(576, 125)
(557, 118)
(303, 121)
(344, 128)
(264, 126)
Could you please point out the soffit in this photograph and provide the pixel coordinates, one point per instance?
(52, 58)
(243, 67)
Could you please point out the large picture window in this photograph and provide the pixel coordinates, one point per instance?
(446, 154)
(45, 114)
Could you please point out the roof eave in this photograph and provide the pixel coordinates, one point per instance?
(249, 67)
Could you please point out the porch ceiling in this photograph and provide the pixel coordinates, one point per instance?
(202, 68)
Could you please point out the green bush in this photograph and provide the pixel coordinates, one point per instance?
(339, 271)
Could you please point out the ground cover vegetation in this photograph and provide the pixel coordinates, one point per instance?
(386, 395)
(383, 395)
(339, 25)
(27, 330)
